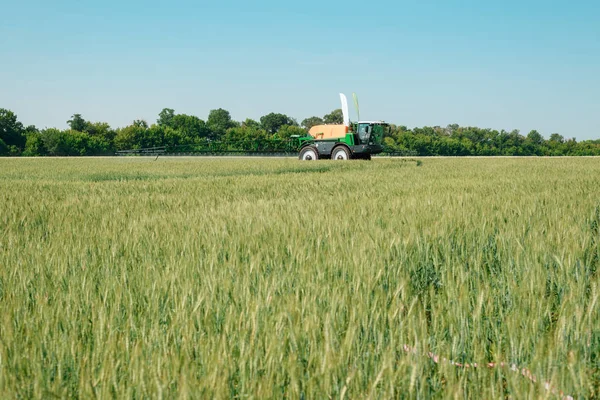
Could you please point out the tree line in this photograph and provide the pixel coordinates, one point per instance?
(84, 138)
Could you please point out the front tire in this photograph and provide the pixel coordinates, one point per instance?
(340, 153)
(309, 153)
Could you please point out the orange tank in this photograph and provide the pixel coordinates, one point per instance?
(328, 131)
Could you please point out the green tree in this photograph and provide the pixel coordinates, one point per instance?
(140, 123)
(30, 129)
(54, 141)
(102, 129)
(191, 127)
(165, 117)
(77, 123)
(558, 138)
(287, 131)
(102, 138)
(311, 121)
(34, 145)
(97, 145)
(3, 148)
(76, 143)
(535, 137)
(245, 138)
(218, 122)
(334, 117)
(273, 121)
(533, 144)
(132, 136)
(173, 137)
(11, 132)
(250, 123)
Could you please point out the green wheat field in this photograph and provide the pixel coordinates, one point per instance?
(274, 278)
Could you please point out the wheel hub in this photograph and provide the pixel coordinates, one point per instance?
(309, 155)
(339, 154)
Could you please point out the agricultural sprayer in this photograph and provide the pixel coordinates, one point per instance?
(350, 140)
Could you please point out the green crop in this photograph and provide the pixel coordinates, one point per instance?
(274, 278)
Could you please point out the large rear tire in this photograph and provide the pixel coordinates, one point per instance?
(340, 153)
(309, 153)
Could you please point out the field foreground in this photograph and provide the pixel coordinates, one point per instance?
(263, 278)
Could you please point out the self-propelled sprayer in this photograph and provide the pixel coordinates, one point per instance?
(350, 140)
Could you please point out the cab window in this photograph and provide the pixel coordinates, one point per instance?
(363, 132)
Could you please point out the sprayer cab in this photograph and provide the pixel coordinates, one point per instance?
(369, 132)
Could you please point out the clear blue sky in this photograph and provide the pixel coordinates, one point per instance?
(509, 64)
